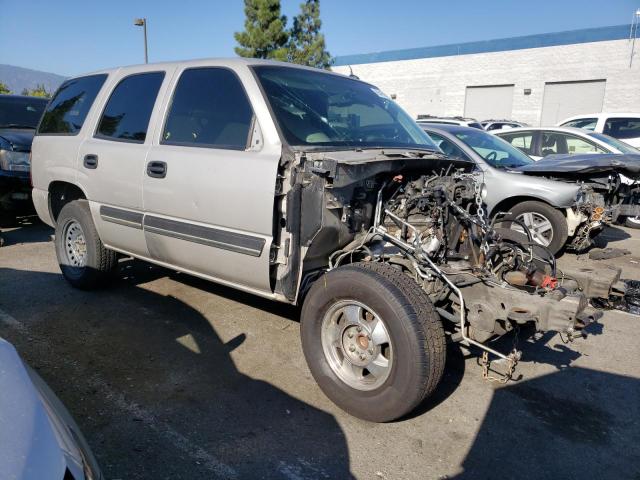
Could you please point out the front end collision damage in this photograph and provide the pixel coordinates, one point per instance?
(422, 213)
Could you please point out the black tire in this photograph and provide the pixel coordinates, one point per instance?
(414, 327)
(632, 222)
(100, 261)
(555, 217)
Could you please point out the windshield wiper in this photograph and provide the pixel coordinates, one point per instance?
(17, 125)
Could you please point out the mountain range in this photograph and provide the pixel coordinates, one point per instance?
(18, 78)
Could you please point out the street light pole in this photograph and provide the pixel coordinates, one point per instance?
(142, 22)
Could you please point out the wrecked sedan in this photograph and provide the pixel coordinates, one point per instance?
(609, 183)
(555, 212)
(306, 187)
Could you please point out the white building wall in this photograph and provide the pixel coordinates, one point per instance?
(437, 85)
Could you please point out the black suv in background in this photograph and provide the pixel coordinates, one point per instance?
(19, 117)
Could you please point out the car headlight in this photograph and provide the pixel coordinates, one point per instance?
(11, 161)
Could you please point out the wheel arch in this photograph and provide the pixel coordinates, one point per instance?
(61, 193)
(508, 203)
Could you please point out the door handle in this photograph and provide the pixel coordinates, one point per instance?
(91, 161)
(157, 169)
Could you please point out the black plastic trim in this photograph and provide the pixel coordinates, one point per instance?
(213, 237)
(121, 217)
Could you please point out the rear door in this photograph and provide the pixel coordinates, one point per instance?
(112, 159)
(209, 192)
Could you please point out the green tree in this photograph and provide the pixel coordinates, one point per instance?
(39, 91)
(264, 35)
(4, 88)
(306, 43)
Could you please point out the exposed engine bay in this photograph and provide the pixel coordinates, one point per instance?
(423, 214)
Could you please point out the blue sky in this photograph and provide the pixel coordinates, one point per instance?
(74, 36)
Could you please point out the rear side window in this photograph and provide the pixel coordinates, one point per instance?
(209, 109)
(68, 109)
(520, 140)
(622, 127)
(126, 116)
(586, 123)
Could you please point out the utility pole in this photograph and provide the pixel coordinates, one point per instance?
(142, 22)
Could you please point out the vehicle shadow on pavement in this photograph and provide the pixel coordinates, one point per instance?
(24, 229)
(542, 429)
(155, 388)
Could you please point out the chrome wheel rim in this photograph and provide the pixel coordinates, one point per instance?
(634, 219)
(538, 225)
(357, 345)
(75, 245)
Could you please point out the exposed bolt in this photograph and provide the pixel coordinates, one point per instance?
(350, 335)
(362, 357)
(352, 348)
(370, 351)
(359, 329)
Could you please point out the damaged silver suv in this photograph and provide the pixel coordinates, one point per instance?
(305, 187)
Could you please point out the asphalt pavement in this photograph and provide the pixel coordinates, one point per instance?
(171, 377)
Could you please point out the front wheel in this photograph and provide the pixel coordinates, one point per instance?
(372, 340)
(84, 261)
(547, 225)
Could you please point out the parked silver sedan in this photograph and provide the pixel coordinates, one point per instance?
(540, 142)
(548, 208)
(38, 438)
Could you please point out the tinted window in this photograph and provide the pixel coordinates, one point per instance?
(21, 112)
(561, 143)
(495, 151)
(475, 125)
(586, 123)
(71, 103)
(447, 147)
(209, 108)
(127, 114)
(320, 109)
(523, 141)
(622, 127)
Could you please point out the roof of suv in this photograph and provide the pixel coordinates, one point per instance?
(221, 62)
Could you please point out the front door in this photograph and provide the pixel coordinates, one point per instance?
(208, 196)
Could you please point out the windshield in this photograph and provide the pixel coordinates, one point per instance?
(615, 143)
(495, 151)
(21, 112)
(324, 110)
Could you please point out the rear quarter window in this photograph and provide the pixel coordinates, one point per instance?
(622, 127)
(69, 107)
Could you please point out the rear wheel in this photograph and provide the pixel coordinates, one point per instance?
(547, 225)
(83, 259)
(372, 340)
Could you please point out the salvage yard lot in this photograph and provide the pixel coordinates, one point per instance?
(171, 377)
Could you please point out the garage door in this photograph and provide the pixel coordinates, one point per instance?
(489, 102)
(565, 99)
